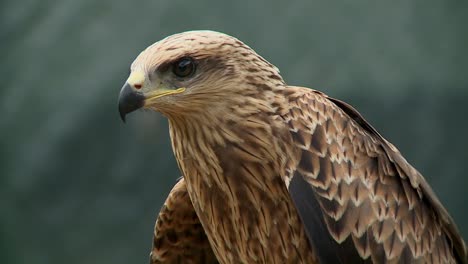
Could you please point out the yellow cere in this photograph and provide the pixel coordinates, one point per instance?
(136, 78)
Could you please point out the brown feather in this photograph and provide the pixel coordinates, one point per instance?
(178, 234)
(406, 221)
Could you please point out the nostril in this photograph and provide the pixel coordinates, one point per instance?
(137, 86)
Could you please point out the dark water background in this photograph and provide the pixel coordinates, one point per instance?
(78, 186)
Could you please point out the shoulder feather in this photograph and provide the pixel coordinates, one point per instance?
(370, 198)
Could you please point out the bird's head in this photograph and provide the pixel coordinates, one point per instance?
(195, 71)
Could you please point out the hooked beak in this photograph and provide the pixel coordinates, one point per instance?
(129, 100)
(135, 95)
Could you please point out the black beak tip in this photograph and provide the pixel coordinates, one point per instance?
(129, 101)
(122, 115)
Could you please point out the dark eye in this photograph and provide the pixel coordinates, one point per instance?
(184, 67)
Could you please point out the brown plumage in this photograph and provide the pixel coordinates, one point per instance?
(178, 235)
(280, 174)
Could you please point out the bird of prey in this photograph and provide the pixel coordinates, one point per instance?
(274, 173)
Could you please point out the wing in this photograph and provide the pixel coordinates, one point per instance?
(358, 198)
(178, 234)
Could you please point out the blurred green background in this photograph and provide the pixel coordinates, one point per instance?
(78, 186)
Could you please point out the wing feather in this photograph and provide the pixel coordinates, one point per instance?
(178, 234)
(361, 190)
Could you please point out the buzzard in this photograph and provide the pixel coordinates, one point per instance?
(274, 173)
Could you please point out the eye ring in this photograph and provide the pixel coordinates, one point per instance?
(184, 67)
